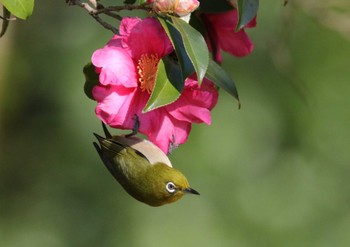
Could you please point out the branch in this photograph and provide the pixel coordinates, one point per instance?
(95, 9)
(93, 12)
(125, 7)
(8, 19)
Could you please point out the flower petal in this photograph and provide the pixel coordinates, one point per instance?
(195, 102)
(147, 30)
(191, 113)
(237, 44)
(113, 103)
(164, 130)
(116, 66)
(221, 30)
(158, 125)
(172, 132)
(127, 25)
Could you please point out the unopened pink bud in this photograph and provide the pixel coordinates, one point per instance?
(179, 7)
(184, 7)
(164, 6)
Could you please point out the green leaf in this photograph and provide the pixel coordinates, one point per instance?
(175, 37)
(20, 8)
(195, 46)
(91, 79)
(210, 6)
(5, 21)
(247, 10)
(221, 79)
(168, 87)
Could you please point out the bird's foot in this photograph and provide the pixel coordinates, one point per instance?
(136, 127)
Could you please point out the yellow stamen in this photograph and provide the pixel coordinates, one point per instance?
(147, 70)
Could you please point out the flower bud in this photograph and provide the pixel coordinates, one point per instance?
(179, 7)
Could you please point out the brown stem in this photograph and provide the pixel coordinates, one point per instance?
(104, 24)
(125, 7)
(94, 9)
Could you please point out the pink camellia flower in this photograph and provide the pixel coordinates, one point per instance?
(128, 66)
(179, 7)
(222, 34)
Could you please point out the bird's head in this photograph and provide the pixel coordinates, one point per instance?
(167, 185)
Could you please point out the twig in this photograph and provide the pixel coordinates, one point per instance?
(8, 19)
(116, 16)
(105, 24)
(125, 7)
(86, 6)
(93, 12)
(95, 9)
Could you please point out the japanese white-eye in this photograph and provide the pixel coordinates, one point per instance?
(142, 169)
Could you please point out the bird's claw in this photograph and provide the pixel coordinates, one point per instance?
(136, 127)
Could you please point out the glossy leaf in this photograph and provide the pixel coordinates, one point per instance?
(175, 37)
(247, 10)
(195, 46)
(168, 87)
(20, 8)
(5, 21)
(221, 79)
(91, 79)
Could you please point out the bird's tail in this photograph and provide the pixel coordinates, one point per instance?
(108, 149)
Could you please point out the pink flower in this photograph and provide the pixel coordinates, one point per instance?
(127, 67)
(222, 34)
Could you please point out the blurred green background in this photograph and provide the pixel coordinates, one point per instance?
(274, 173)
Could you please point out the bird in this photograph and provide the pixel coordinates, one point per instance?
(142, 169)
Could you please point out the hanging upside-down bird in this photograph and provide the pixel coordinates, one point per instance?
(142, 169)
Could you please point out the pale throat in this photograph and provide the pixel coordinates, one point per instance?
(147, 67)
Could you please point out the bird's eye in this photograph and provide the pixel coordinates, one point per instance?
(170, 187)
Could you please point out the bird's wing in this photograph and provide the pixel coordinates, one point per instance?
(152, 152)
(105, 160)
(110, 151)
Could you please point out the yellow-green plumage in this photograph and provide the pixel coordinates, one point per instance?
(142, 169)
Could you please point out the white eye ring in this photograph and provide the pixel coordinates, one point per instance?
(170, 187)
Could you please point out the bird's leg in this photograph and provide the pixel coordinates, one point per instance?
(172, 145)
(136, 127)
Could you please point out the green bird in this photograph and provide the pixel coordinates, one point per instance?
(142, 169)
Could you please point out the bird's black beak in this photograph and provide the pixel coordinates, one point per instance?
(192, 191)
